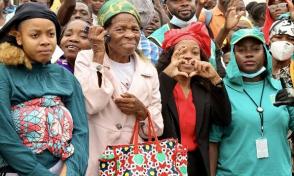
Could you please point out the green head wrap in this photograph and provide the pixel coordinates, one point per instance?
(113, 7)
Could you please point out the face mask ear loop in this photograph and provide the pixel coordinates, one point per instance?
(168, 11)
(223, 63)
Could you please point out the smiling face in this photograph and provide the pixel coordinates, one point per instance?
(74, 39)
(249, 53)
(124, 32)
(189, 51)
(37, 36)
(183, 9)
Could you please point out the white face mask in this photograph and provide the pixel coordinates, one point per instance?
(282, 50)
(181, 23)
(253, 75)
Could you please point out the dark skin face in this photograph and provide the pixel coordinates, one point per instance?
(96, 5)
(74, 39)
(125, 35)
(81, 12)
(37, 37)
(277, 8)
(153, 25)
(249, 53)
(183, 9)
(189, 52)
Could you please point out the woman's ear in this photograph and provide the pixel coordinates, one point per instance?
(18, 38)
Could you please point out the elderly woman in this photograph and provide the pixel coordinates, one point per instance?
(119, 85)
(193, 95)
(43, 127)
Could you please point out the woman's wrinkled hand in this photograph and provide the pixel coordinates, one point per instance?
(96, 37)
(131, 105)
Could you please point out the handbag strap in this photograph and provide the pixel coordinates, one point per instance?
(151, 133)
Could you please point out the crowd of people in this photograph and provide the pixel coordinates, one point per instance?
(75, 77)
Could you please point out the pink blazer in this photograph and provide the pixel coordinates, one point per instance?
(107, 124)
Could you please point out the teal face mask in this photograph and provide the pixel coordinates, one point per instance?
(253, 75)
(181, 23)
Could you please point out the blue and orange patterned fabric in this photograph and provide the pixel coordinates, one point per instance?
(44, 123)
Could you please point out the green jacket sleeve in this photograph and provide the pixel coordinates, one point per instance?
(78, 162)
(18, 156)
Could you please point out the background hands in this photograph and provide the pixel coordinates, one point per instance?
(232, 18)
(285, 97)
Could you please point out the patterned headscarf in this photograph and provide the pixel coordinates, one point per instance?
(196, 31)
(113, 7)
(283, 26)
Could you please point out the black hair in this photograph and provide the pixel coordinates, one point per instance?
(257, 11)
(250, 6)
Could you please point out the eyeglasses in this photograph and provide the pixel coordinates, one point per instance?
(280, 6)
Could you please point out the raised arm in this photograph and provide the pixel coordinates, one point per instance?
(65, 11)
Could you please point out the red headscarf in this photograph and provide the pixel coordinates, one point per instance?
(196, 31)
(267, 25)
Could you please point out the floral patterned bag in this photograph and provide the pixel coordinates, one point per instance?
(152, 158)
